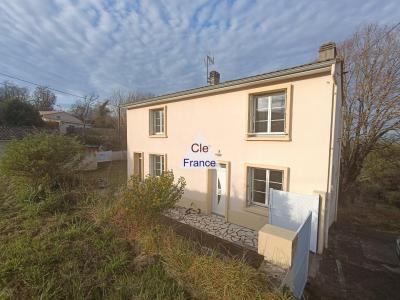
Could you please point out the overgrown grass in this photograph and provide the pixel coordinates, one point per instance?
(110, 174)
(66, 255)
(205, 274)
(89, 251)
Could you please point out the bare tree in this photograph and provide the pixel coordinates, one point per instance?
(102, 115)
(116, 101)
(9, 90)
(83, 109)
(43, 98)
(371, 90)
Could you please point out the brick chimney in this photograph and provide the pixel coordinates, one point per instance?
(327, 51)
(214, 78)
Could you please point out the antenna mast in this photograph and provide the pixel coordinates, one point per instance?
(208, 61)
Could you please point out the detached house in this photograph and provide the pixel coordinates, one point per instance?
(278, 130)
(63, 120)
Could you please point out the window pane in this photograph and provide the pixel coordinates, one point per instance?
(278, 100)
(157, 165)
(278, 126)
(158, 120)
(275, 176)
(261, 115)
(259, 174)
(152, 165)
(259, 185)
(277, 114)
(261, 103)
(275, 186)
(261, 126)
(161, 115)
(259, 197)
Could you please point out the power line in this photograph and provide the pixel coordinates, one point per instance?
(37, 84)
(208, 60)
(18, 58)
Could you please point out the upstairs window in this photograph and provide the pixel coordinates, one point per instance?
(259, 181)
(157, 121)
(268, 113)
(157, 164)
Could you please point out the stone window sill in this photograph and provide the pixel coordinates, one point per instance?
(267, 137)
(263, 211)
(158, 136)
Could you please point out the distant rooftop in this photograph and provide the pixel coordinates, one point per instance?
(48, 112)
(64, 116)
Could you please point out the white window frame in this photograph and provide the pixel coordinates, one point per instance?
(250, 185)
(253, 114)
(154, 170)
(155, 114)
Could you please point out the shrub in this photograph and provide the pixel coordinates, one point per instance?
(378, 181)
(149, 198)
(43, 161)
(16, 112)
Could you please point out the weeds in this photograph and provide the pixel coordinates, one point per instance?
(205, 275)
(86, 248)
(51, 254)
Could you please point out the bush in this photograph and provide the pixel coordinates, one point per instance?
(43, 161)
(378, 181)
(16, 112)
(147, 199)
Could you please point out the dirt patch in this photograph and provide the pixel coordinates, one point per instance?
(358, 264)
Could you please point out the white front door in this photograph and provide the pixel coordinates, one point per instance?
(219, 194)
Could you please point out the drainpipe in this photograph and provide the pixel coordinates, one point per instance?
(332, 144)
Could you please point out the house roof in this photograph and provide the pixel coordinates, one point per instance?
(49, 112)
(302, 70)
(9, 133)
(66, 117)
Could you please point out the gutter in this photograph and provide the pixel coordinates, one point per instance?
(301, 71)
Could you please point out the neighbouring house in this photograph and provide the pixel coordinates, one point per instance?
(9, 133)
(279, 130)
(62, 119)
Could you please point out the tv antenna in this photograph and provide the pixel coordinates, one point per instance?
(208, 61)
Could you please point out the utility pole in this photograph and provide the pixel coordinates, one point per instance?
(208, 60)
(119, 128)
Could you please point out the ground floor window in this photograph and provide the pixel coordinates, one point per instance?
(157, 164)
(259, 181)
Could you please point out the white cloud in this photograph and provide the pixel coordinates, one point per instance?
(158, 46)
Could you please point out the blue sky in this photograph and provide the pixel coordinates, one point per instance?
(96, 46)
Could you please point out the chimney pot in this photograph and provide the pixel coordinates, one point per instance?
(327, 51)
(214, 78)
